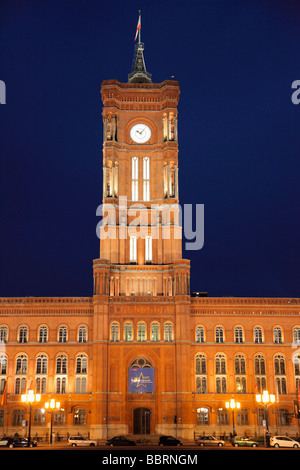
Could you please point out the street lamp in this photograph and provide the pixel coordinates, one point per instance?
(30, 398)
(52, 404)
(266, 399)
(232, 404)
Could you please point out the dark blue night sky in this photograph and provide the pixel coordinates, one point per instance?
(239, 136)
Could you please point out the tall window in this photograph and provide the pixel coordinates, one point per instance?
(21, 374)
(200, 334)
(219, 334)
(296, 335)
(132, 249)
(220, 371)
(3, 334)
(200, 372)
(43, 334)
(82, 334)
(135, 179)
(128, 332)
(260, 373)
(146, 179)
(278, 335)
(61, 374)
(155, 331)
(238, 334)
(81, 374)
(258, 335)
(148, 249)
(62, 334)
(41, 373)
(240, 373)
(168, 331)
(141, 333)
(23, 334)
(114, 332)
(280, 374)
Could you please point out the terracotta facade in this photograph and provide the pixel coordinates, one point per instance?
(204, 351)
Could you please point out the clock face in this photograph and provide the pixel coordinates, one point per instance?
(140, 133)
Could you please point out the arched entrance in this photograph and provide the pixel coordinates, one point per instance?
(141, 421)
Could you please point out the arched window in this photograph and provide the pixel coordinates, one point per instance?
(202, 416)
(220, 371)
(240, 373)
(168, 331)
(62, 334)
(61, 374)
(278, 339)
(23, 334)
(146, 179)
(81, 364)
(114, 332)
(238, 334)
(82, 334)
(21, 374)
(200, 338)
(155, 331)
(280, 374)
(61, 364)
(21, 365)
(201, 373)
(132, 249)
(219, 334)
(296, 335)
(3, 364)
(3, 334)
(141, 332)
(135, 179)
(79, 416)
(43, 334)
(258, 334)
(260, 373)
(148, 249)
(81, 374)
(128, 332)
(41, 364)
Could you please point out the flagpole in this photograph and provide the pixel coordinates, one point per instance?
(140, 27)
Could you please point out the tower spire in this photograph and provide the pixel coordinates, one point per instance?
(139, 73)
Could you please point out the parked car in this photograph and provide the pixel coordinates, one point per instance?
(244, 442)
(81, 441)
(5, 441)
(209, 441)
(169, 441)
(22, 442)
(120, 441)
(283, 441)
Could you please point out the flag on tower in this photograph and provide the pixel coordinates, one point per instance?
(138, 26)
(4, 394)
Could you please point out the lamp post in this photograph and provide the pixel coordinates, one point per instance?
(52, 404)
(266, 399)
(30, 398)
(232, 404)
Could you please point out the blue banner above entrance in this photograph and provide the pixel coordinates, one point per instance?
(141, 380)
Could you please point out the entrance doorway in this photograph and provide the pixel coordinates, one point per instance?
(141, 421)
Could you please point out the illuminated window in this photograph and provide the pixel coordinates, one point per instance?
(146, 179)
(135, 179)
(148, 249)
(132, 249)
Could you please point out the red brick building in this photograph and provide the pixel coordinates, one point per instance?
(143, 355)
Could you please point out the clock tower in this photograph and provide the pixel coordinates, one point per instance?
(140, 274)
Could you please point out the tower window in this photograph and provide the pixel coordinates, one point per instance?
(133, 249)
(135, 179)
(148, 248)
(146, 179)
